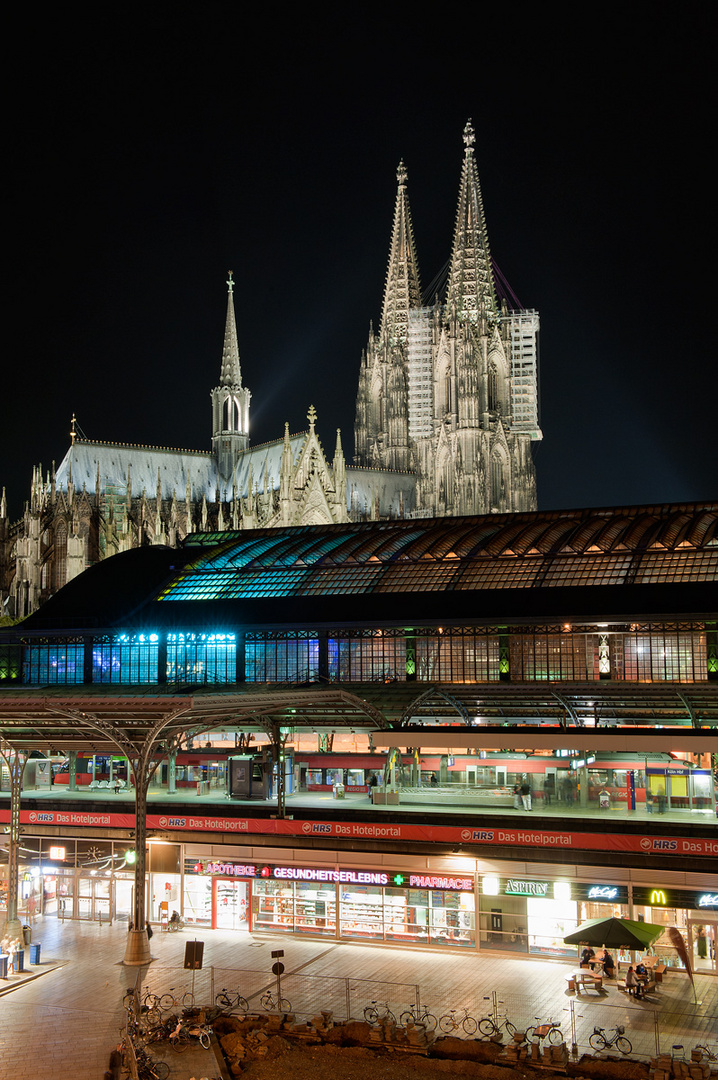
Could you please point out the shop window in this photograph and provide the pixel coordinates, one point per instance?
(198, 899)
(361, 912)
(549, 921)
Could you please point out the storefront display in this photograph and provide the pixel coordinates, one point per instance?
(348, 904)
(693, 913)
(532, 916)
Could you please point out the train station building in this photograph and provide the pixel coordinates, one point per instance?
(321, 730)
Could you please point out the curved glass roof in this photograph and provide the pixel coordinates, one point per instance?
(643, 545)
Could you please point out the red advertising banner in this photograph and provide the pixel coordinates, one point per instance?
(563, 840)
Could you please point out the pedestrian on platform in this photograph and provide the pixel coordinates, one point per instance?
(526, 795)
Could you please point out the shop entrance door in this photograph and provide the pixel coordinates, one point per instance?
(703, 936)
(124, 896)
(94, 899)
(230, 904)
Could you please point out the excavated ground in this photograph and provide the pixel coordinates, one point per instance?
(360, 1063)
(282, 1057)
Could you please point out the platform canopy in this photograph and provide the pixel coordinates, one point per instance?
(98, 719)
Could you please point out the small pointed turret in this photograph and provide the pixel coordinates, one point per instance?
(230, 400)
(402, 290)
(231, 373)
(471, 277)
(188, 506)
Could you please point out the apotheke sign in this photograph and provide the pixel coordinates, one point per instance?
(342, 877)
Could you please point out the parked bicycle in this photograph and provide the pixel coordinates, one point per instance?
(710, 1051)
(274, 1004)
(549, 1029)
(378, 1013)
(458, 1018)
(165, 1002)
(231, 1000)
(184, 1033)
(600, 1040)
(415, 1014)
(490, 1025)
(150, 1069)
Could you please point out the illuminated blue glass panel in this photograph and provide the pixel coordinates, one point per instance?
(231, 585)
(201, 658)
(129, 658)
(53, 664)
(295, 661)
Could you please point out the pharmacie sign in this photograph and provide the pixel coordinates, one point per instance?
(342, 877)
(516, 887)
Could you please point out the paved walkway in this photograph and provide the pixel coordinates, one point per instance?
(64, 1023)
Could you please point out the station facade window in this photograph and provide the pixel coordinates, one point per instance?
(201, 658)
(129, 658)
(273, 659)
(61, 663)
(458, 654)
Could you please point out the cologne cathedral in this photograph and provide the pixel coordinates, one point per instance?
(446, 410)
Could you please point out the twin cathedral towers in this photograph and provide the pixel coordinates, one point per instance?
(446, 410)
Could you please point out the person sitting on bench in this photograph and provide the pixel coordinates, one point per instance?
(633, 985)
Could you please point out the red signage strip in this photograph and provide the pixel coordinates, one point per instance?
(347, 830)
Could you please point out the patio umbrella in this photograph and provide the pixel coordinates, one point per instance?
(615, 933)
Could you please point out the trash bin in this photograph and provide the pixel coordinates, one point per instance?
(3, 965)
(20, 960)
(338, 791)
(35, 953)
(604, 800)
(27, 934)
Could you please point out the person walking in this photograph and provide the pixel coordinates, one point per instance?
(526, 795)
(549, 788)
(517, 796)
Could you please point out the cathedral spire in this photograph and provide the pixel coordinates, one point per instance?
(402, 290)
(231, 374)
(230, 400)
(471, 278)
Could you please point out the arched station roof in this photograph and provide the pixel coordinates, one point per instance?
(593, 564)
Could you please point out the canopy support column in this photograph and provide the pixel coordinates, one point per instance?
(137, 950)
(11, 933)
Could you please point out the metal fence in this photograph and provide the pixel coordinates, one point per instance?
(650, 1031)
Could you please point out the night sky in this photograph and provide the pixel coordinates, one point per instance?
(153, 148)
